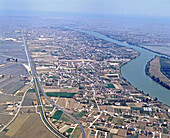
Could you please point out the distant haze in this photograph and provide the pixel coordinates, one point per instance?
(158, 8)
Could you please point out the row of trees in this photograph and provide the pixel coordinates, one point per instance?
(160, 82)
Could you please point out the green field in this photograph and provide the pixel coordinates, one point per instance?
(53, 77)
(96, 124)
(165, 66)
(110, 118)
(81, 114)
(5, 130)
(57, 114)
(60, 94)
(69, 130)
(48, 84)
(109, 86)
(31, 90)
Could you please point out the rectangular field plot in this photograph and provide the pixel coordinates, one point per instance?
(14, 69)
(9, 98)
(28, 125)
(57, 115)
(4, 118)
(165, 66)
(60, 94)
(10, 85)
(29, 98)
(77, 114)
(2, 108)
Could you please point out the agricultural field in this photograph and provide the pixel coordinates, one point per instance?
(60, 90)
(70, 130)
(67, 119)
(155, 66)
(14, 76)
(60, 94)
(14, 69)
(109, 86)
(57, 115)
(26, 123)
(2, 108)
(159, 70)
(22, 90)
(31, 90)
(165, 66)
(10, 85)
(29, 98)
(27, 109)
(76, 132)
(5, 118)
(72, 104)
(48, 108)
(9, 98)
(79, 114)
(12, 49)
(62, 102)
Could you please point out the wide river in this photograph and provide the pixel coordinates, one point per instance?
(134, 71)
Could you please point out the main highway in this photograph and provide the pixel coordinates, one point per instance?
(39, 88)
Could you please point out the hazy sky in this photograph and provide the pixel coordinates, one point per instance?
(125, 7)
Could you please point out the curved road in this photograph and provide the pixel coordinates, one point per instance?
(37, 83)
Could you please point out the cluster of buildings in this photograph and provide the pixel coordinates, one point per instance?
(76, 66)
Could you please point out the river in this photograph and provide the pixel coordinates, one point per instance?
(134, 71)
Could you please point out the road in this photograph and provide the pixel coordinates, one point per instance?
(94, 97)
(35, 80)
(39, 88)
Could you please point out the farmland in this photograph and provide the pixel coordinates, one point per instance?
(14, 69)
(67, 119)
(69, 130)
(109, 86)
(9, 98)
(60, 94)
(165, 66)
(31, 90)
(4, 118)
(81, 114)
(29, 98)
(76, 132)
(57, 115)
(10, 85)
(26, 123)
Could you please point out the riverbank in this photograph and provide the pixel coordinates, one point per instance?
(154, 51)
(153, 70)
(142, 92)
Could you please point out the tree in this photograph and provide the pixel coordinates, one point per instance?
(155, 99)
